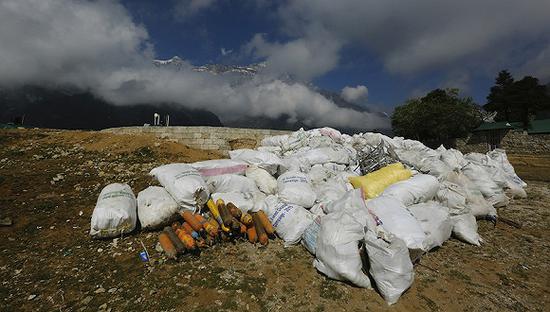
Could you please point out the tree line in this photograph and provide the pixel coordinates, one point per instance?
(442, 115)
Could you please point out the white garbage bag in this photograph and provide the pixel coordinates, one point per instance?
(270, 149)
(317, 210)
(330, 190)
(226, 183)
(397, 220)
(475, 202)
(276, 140)
(115, 211)
(498, 175)
(435, 221)
(499, 156)
(319, 174)
(309, 238)
(295, 188)
(419, 188)
(390, 266)
(184, 183)
(156, 207)
(337, 248)
(483, 182)
(465, 228)
(322, 155)
(434, 166)
(216, 167)
(264, 181)
(453, 196)
(264, 160)
(453, 158)
(290, 221)
(244, 201)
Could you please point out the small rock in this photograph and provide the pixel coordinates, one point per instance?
(158, 247)
(86, 300)
(100, 290)
(31, 297)
(100, 250)
(218, 302)
(6, 221)
(112, 290)
(80, 213)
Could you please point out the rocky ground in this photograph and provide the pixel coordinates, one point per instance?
(49, 182)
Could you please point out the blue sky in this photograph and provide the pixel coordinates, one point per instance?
(374, 53)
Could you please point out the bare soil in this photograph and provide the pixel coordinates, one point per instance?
(48, 261)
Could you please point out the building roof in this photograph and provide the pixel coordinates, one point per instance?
(536, 126)
(539, 126)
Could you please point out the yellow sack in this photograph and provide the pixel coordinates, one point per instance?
(374, 183)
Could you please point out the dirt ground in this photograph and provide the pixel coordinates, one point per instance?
(49, 183)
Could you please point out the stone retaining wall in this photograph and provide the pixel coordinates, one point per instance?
(207, 138)
(514, 142)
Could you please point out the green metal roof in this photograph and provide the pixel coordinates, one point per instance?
(536, 126)
(539, 126)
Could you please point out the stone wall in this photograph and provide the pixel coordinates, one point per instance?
(514, 142)
(207, 138)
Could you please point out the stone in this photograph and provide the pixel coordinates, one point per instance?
(87, 300)
(6, 221)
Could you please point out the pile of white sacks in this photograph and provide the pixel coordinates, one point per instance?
(301, 181)
(304, 176)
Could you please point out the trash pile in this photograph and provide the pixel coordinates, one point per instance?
(349, 200)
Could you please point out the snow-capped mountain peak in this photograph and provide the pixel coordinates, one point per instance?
(174, 61)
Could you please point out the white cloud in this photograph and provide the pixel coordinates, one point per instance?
(66, 41)
(97, 46)
(356, 94)
(416, 36)
(303, 58)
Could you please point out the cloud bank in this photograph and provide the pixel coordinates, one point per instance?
(411, 37)
(356, 94)
(96, 45)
